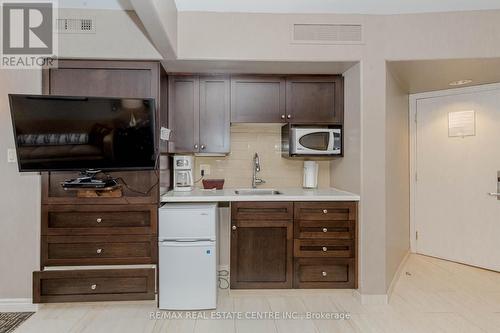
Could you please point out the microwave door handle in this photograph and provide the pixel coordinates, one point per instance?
(331, 142)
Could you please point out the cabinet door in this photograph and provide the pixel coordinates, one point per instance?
(214, 114)
(127, 83)
(315, 99)
(184, 109)
(261, 251)
(257, 99)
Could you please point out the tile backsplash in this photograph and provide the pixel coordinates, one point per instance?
(264, 139)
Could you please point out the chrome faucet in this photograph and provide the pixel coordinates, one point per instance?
(256, 168)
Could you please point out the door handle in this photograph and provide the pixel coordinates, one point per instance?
(494, 194)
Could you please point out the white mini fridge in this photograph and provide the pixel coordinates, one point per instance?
(187, 256)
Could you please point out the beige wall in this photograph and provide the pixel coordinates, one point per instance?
(19, 197)
(160, 20)
(397, 176)
(117, 37)
(345, 172)
(264, 139)
(244, 36)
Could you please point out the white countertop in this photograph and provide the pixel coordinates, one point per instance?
(288, 194)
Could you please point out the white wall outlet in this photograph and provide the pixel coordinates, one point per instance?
(205, 169)
(11, 155)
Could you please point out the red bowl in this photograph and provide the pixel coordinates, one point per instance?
(209, 184)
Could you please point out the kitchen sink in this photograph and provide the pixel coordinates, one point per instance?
(257, 191)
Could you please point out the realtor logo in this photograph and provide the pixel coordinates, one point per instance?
(27, 34)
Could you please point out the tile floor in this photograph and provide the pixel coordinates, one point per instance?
(434, 296)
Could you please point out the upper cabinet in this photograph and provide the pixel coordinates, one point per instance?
(295, 99)
(202, 107)
(199, 114)
(257, 99)
(315, 99)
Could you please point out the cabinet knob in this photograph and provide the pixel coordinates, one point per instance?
(202, 147)
(289, 116)
(325, 211)
(233, 227)
(196, 146)
(99, 251)
(99, 220)
(93, 286)
(282, 116)
(325, 229)
(325, 249)
(324, 273)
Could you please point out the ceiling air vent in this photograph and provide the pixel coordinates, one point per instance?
(327, 34)
(75, 26)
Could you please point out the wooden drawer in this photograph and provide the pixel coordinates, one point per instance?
(323, 248)
(93, 285)
(99, 220)
(261, 210)
(98, 250)
(325, 229)
(324, 273)
(333, 211)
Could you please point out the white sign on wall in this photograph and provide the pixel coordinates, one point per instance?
(462, 123)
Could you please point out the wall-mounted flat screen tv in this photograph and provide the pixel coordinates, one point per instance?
(56, 133)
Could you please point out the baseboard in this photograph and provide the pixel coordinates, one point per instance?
(371, 299)
(17, 305)
(396, 276)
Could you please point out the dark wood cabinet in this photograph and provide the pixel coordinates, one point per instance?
(315, 99)
(199, 113)
(184, 110)
(261, 248)
(258, 99)
(215, 114)
(81, 231)
(324, 245)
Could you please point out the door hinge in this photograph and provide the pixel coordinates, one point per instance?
(416, 235)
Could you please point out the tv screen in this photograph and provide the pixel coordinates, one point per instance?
(79, 133)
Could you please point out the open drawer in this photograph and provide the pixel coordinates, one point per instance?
(93, 285)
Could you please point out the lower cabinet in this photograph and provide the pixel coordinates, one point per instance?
(293, 244)
(93, 285)
(262, 246)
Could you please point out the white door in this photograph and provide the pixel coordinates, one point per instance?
(455, 217)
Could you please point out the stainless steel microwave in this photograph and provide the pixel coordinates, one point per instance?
(318, 141)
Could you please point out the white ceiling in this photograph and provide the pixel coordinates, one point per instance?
(429, 75)
(96, 4)
(336, 6)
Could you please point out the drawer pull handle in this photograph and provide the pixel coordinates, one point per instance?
(325, 229)
(93, 286)
(324, 273)
(99, 220)
(325, 249)
(325, 211)
(99, 251)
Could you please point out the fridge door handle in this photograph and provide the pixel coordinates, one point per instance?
(186, 244)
